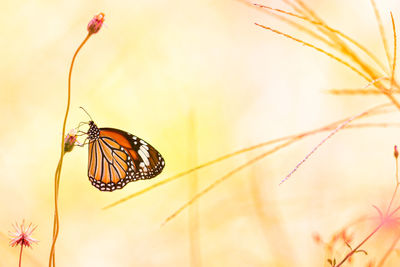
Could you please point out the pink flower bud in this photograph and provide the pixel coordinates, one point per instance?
(396, 152)
(70, 140)
(95, 24)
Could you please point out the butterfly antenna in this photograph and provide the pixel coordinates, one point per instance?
(87, 113)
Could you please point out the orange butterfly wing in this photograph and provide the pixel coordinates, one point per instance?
(117, 158)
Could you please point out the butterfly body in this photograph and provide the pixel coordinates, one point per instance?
(117, 158)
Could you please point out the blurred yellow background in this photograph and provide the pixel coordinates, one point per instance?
(155, 68)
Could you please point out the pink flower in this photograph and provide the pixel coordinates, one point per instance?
(22, 235)
(70, 141)
(95, 24)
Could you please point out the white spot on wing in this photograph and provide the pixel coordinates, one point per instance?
(144, 149)
(144, 158)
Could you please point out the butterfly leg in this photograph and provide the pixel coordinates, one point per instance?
(80, 133)
(84, 143)
(81, 123)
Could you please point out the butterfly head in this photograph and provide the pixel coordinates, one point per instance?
(93, 132)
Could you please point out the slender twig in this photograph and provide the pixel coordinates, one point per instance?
(55, 223)
(397, 166)
(349, 52)
(328, 127)
(59, 167)
(194, 216)
(337, 129)
(20, 256)
(345, 49)
(385, 218)
(363, 91)
(269, 216)
(381, 31)
(360, 244)
(330, 244)
(354, 92)
(383, 222)
(396, 155)
(318, 49)
(341, 34)
(226, 176)
(365, 67)
(232, 172)
(370, 125)
(394, 52)
(393, 195)
(292, 23)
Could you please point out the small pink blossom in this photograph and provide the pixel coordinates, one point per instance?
(70, 140)
(22, 235)
(95, 24)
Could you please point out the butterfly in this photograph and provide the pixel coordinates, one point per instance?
(117, 158)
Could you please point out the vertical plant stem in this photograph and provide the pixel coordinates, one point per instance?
(393, 196)
(270, 222)
(56, 227)
(55, 223)
(397, 186)
(20, 256)
(397, 171)
(194, 237)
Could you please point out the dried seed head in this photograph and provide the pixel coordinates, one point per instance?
(396, 152)
(95, 24)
